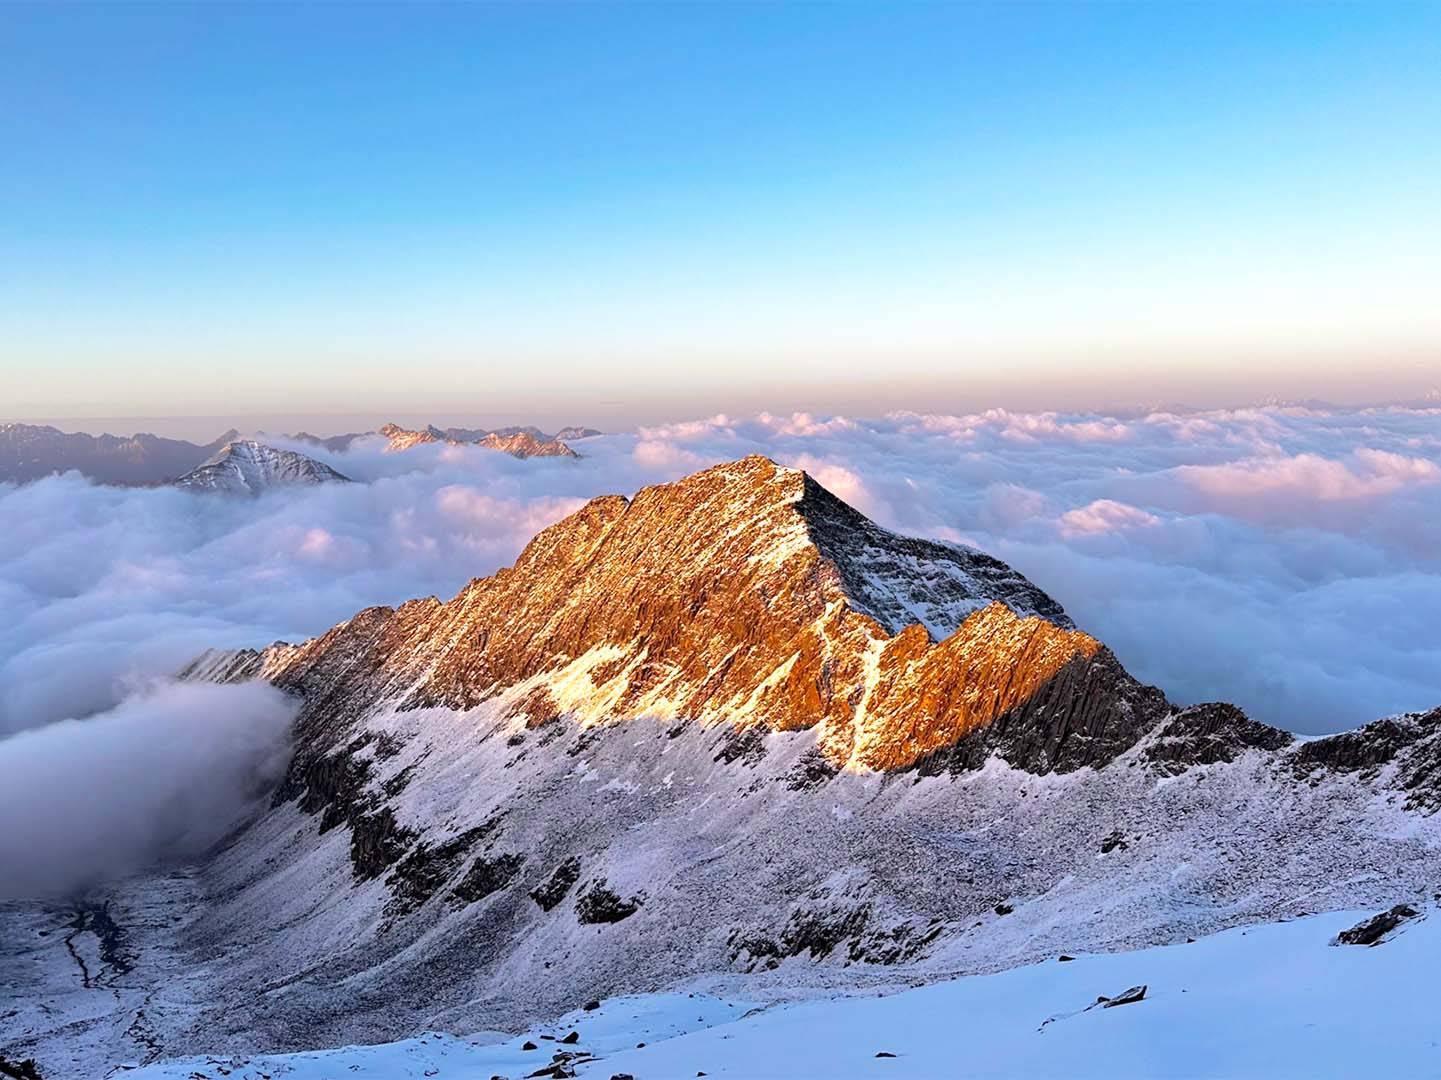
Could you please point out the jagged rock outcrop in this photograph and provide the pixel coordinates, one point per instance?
(1409, 744)
(1210, 733)
(247, 467)
(1374, 931)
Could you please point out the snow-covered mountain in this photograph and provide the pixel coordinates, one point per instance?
(247, 467)
(31, 451)
(728, 736)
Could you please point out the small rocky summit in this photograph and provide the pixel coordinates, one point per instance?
(247, 467)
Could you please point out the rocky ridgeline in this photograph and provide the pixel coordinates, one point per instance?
(746, 595)
(517, 442)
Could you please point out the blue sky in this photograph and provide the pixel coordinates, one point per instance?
(664, 210)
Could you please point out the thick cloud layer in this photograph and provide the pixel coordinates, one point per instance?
(1286, 559)
(164, 774)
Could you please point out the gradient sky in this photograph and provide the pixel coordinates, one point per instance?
(620, 213)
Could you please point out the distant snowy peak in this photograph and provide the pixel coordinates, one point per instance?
(521, 442)
(247, 467)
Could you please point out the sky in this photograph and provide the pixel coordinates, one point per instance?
(623, 214)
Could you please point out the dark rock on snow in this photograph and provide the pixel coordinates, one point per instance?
(1373, 931)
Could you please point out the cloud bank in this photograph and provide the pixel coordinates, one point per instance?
(167, 773)
(1286, 559)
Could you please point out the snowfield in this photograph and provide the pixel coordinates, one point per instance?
(1266, 1001)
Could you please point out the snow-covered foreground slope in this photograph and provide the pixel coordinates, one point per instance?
(1268, 1001)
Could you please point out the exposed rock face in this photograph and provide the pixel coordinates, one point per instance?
(30, 451)
(1206, 734)
(1411, 741)
(246, 467)
(745, 595)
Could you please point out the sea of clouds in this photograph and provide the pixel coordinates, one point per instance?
(1287, 559)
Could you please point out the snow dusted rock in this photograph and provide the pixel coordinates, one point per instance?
(1210, 733)
(1377, 928)
(246, 467)
(1407, 747)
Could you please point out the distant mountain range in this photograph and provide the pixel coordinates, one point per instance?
(31, 451)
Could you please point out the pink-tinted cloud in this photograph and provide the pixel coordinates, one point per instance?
(1104, 516)
(1369, 473)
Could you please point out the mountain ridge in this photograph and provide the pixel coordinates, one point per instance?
(521, 442)
(30, 452)
(785, 608)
